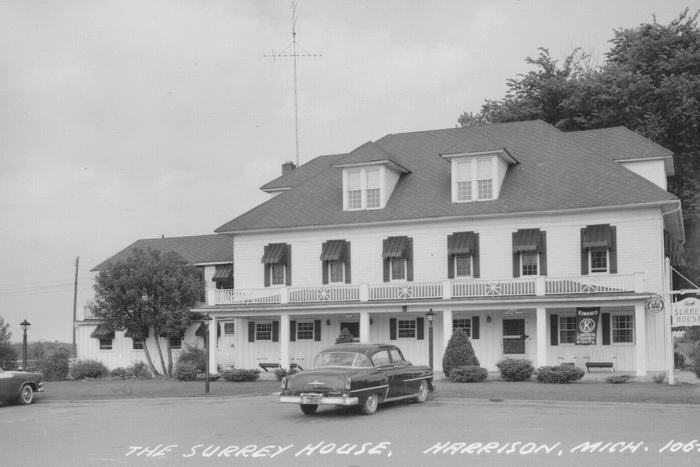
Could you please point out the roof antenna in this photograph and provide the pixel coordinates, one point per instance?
(293, 54)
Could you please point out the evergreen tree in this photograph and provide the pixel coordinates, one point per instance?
(459, 352)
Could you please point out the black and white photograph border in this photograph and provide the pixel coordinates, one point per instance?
(349, 232)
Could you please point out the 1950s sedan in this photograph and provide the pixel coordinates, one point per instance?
(20, 386)
(363, 375)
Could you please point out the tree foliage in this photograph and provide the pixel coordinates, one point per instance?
(149, 291)
(8, 355)
(459, 352)
(649, 83)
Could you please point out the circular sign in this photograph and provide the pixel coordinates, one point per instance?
(587, 325)
(655, 304)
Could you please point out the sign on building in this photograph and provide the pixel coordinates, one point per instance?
(686, 313)
(586, 325)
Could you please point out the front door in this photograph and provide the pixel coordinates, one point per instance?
(514, 336)
(353, 327)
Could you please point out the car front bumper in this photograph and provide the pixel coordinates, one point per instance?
(320, 399)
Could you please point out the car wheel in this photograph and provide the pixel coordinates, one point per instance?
(422, 394)
(369, 404)
(308, 409)
(26, 395)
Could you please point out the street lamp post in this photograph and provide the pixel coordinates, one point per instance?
(25, 325)
(206, 319)
(430, 315)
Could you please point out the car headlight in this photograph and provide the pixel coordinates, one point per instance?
(283, 382)
(348, 383)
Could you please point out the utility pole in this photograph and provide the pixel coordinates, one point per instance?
(293, 54)
(75, 304)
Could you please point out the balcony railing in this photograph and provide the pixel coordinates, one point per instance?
(448, 289)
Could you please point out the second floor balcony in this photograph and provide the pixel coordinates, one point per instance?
(439, 290)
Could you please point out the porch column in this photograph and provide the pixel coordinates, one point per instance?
(211, 344)
(446, 330)
(640, 339)
(284, 341)
(541, 322)
(364, 327)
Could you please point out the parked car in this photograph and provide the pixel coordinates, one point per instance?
(363, 375)
(20, 386)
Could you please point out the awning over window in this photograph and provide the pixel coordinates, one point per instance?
(137, 335)
(333, 250)
(102, 332)
(202, 330)
(597, 236)
(224, 272)
(527, 240)
(275, 253)
(462, 243)
(395, 247)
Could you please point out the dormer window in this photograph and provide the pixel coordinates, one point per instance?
(363, 190)
(478, 176)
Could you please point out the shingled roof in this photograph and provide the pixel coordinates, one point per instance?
(196, 249)
(554, 172)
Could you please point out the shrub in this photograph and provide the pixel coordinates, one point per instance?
(119, 372)
(659, 377)
(344, 336)
(694, 365)
(679, 361)
(238, 376)
(195, 355)
(560, 374)
(88, 369)
(459, 352)
(282, 372)
(468, 374)
(617, 379)
(186, 371)
(515, 369)
(138, 370)
(51, 360)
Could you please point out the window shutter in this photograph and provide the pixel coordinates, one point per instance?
(605, 328)
(420, 328)
(475, 258)
(516, 258)
(324, 272)
(292, 331)
(386, 269)
(392, 329)
(409, 261)
(251, 331)
(475, 327)
(613, 250)
(267, 274)
(450, 259)
(218, 330)
(543, 254)
(288, 272)
(348, 279)
(275, 331)
(317, 329)
(584, 254)
(553, 330)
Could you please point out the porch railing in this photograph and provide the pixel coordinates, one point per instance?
(591, 284)
(486, 288)
(407, 290)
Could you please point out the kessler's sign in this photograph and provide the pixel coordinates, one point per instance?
(686, 313)
(586, 325)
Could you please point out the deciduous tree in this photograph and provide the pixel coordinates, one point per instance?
(8, 355)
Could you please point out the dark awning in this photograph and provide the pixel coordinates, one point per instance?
(102, 332)
(395, 247)
(462, 243)
(224, 272)
(137, 334)
(202, 330)
(333, 250)
(597, 236)
(275, 253)
(527, 240)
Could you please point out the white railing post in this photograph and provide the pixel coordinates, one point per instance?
(364, 292)
(447, 289)
(211, 296)
(540, 286)
(284, 295)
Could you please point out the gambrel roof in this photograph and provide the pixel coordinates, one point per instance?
(555, 171)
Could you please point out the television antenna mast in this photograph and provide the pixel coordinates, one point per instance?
(293, 51)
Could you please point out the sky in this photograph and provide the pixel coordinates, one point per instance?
(130, 119)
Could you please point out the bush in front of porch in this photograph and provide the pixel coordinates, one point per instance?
(560, 374)
(459, 352)
(469, 374)
(515, 369)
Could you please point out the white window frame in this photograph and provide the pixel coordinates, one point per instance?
(467, 329)
(341, 265)
(364, 189)
(412, 328)
(590, 261)
(561, 320)
(613, 328)
(102, 342)
(468, 188)
(272, 267)
(520, 260)
(470, 260)
(391, 270)
(230, 324)
(135, 341)
(260, 330)
(305, 327)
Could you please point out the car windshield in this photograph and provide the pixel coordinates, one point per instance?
(342, 359)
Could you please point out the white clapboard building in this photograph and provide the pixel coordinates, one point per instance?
(504, 231)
